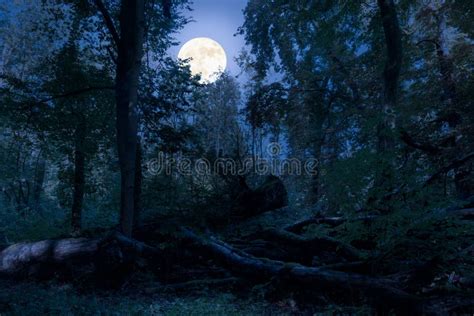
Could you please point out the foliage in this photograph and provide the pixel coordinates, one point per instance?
(319, 77)
(327, 90)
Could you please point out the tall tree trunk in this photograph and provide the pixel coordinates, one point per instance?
(315, 180)
(321, 121)
(391, 72)
(449, 97)
(385, 137)
(393, 43)
(79, 176)
(464, 186)
(138, 185)
(130, 52)
(40, 171)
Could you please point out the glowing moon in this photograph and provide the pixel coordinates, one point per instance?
(206, 57)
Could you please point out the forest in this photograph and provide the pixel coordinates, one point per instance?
(328, 170)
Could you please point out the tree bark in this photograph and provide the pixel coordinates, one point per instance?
(130, 52)
(393, 44)
(385, 137)
(34, 258)
(449, 95)
(335, 221)
(40, 171)
(79, 177)
(464, 186)
(138, 185)
(311, 245)
(22, 259)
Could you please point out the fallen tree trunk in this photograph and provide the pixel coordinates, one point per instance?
(32, 258)
(241, 263)
(24, 258)
(266, 249)
(333, 221)
(308, 247)
(112, 255)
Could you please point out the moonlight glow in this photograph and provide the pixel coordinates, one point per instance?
(206, 58)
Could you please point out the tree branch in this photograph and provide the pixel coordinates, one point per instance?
(428, 40)
(108, 21)
(407, 139)
(331, 221)
(455, 164)
(393, 44)
(70, 94)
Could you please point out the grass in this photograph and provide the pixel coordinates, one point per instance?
(52, 298)
(55, 299)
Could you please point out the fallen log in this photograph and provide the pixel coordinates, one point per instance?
(33, 258)
(334, 221)
(240, 263)
(331, 221)
(266, 249)
(24, 258)
(308, 247)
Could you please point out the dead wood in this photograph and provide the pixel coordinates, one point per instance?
(249, 266)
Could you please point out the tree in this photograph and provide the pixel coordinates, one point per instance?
(136, 20)
(384, 180)
(80, 123)
(317, 91)
(216, 120)
(439, 46)
(329, 62)
(30, 35)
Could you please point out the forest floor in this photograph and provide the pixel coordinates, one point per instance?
(54, 298)
(194, 285)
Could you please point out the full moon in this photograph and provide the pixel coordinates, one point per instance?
(206, 57)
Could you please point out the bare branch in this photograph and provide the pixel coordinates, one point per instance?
(75, 93)
(108, 21)
(408, 139)
(428, 40)
(30, 105)
(453, 165)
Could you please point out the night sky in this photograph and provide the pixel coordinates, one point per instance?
(219, 20)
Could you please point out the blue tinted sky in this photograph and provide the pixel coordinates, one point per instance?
(219, 20)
